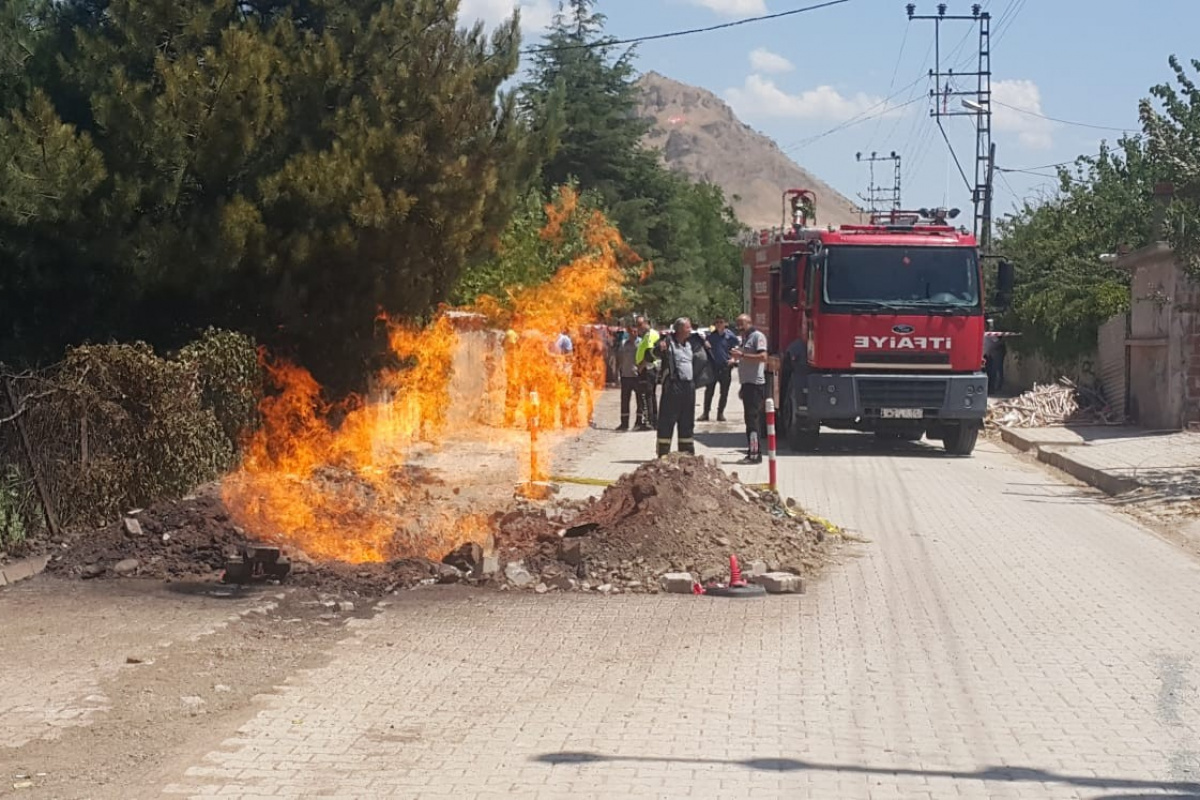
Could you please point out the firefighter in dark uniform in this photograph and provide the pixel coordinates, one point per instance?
(677, 406)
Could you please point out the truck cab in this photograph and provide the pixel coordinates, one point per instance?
(877, 327)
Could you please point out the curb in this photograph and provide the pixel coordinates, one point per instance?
(20, 570)
(1105, 482)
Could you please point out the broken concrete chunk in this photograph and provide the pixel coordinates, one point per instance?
(133, 527)
(757, 568)
(448, 574)
(780, 582)
(517, 574)
(541, 588)
(91, 571)
(126, 567)
(677, 582)
(345, 606)
(490, 565)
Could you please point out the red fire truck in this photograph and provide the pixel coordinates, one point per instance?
(875, 327)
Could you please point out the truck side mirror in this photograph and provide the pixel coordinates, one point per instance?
(1005, 278)
(789, 288)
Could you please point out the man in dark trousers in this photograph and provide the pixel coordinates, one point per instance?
(751, 359)
(719, 342)
(647, 366)
(678, 403)
(627, 369)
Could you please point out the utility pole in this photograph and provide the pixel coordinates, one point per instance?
(881, 198)
(975, 103)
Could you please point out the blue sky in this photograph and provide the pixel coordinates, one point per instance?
(796, 78)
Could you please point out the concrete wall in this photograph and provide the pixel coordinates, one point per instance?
(1164, 340)
(1022, 371)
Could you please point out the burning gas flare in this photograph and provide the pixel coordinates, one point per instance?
(333, 478)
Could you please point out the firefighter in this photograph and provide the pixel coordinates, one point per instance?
(751, 359)
(678, 405)
(646, 359)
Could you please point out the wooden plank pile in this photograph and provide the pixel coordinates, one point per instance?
(1061, 403)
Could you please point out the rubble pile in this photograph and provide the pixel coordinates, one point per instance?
(1060, 403)
(682, 514)
(189, 539)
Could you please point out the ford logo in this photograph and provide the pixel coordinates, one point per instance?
(902, 329)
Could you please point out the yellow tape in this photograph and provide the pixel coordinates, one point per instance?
(581, 481)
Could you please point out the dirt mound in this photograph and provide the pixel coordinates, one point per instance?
(680, 514)
(188, 539)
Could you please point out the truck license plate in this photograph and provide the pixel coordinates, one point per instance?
(902, 413)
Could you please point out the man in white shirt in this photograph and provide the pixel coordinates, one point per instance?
(751, 359)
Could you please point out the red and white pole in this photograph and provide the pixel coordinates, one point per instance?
(772, 480)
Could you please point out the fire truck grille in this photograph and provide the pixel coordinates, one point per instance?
(902, 358)
(892, 393)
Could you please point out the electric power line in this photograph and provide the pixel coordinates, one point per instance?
(674, 34)
(1062, 121)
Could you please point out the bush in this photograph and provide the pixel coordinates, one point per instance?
(230, 379)
(118, 427)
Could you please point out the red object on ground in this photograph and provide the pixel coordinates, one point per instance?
(735, 572)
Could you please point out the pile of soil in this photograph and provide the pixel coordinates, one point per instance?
(679, 514)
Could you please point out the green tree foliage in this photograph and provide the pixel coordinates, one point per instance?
(284, 167)
(586, 89)
(1064, 291)
(524, 256)
(1174, 145)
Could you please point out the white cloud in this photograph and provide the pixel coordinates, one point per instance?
(535, 14)
(763, 60)
(1014, 104)
(734, 8)
(760, 97)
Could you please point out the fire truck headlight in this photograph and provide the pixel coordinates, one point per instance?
(967, 403)
(831, 388)
(970, 391)
(833, 401)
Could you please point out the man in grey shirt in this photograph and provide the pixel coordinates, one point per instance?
(752, 373)
(678, 402)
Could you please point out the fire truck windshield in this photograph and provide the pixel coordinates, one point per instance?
(937, 278)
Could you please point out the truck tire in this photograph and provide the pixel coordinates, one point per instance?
(803, 439)
(960, 439)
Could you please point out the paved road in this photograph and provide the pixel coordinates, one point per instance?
(1000, 636)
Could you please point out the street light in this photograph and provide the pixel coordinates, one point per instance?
(971, 105)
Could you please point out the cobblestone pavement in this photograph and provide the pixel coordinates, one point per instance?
(998, 637)
(52, 662)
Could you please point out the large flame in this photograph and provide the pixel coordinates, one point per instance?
(333, 478)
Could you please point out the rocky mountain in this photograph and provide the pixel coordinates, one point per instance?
(700, 136)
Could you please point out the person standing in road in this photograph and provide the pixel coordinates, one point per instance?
(751, 359)
(719, 343)
(679, 391)
(627, 369)
(647, 364)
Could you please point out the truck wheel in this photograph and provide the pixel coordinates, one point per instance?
(803, 439)
(960, 439)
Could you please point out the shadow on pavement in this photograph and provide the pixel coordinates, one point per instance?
(1007, 774)
(834, 444)
(220, 591)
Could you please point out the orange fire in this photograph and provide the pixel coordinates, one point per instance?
(333, 478)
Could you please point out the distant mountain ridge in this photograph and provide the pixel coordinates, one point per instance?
(700, 136)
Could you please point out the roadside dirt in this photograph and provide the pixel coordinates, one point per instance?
(159, 684)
